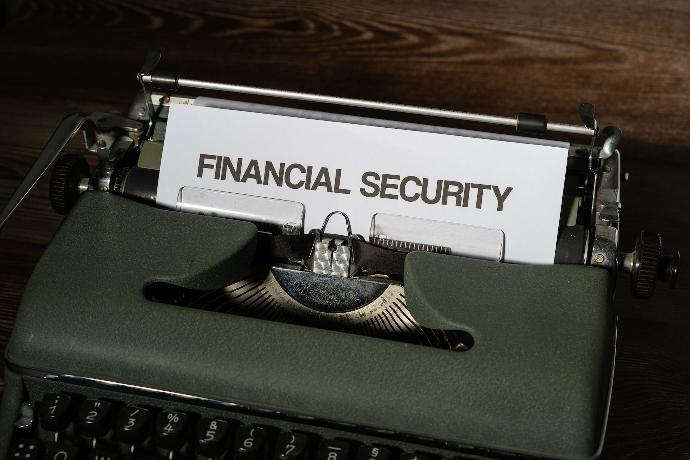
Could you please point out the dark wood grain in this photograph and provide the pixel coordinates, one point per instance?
(631, 58)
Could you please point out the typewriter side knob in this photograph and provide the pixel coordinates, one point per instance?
(66, 181)
(647, 265)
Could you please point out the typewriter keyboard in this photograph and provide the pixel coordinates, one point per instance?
(71, 426)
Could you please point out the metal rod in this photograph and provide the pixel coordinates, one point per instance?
(465, 116)
(572, 129)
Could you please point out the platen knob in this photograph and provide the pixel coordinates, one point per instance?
(68, 172)
(645, 269)
(646, 264)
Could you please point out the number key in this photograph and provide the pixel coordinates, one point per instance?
(132, 425)
(54, 411)
(250, 443)
(334, 449)
(62, 452)
(212, 437)
(172, 429)
(94, 417)
(291, 446)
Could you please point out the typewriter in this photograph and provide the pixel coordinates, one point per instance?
(225, 329)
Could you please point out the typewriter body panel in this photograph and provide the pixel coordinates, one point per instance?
(510, 393)
(106, 320)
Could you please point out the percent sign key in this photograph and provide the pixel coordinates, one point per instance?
(172, 429)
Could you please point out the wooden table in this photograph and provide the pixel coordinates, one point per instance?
(631, 58)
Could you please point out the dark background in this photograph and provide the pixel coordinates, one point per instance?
(630, 58)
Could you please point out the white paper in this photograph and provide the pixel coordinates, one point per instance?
(526, 178)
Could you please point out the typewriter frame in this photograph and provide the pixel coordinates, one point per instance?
(84, 310)
(87, 246)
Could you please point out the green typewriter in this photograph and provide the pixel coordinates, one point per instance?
(223, 325)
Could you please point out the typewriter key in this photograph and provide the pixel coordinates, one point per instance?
(415, 456)
(334, 449)
(62, 452)
(94, 418)
(250, 443)
(291, 446)
(54, 411)
(26, 449)
(373, 453)
(101, 455)
(172, 429)
(212, 436)
(132, 423)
